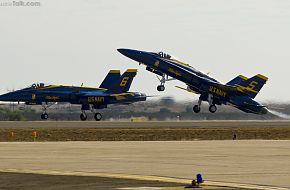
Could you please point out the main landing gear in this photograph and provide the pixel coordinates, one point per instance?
(97, 116)
(83, 116)
(196, 108)
(212, 108)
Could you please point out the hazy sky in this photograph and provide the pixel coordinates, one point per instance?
(75, 41)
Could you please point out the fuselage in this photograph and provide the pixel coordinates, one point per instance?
(71, 94)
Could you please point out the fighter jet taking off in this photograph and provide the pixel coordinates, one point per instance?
(239, 92)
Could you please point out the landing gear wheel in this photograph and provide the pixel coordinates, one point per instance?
(83, 117)
(196, 109)
(44, 116)
(161, 88)
(98, 116)
(212, 108)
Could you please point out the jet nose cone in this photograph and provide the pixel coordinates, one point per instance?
(122, 51)
(127, 52)
(132, 54)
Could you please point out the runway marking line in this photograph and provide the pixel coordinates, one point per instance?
(142, 177)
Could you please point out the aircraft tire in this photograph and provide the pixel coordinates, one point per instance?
(161, 88)
(83, 117)
(98, 116)
(196, 109)
(212, 108)
(44, 116)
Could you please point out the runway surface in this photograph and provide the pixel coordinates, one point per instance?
(264, 163)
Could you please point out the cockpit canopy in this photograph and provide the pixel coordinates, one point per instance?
(167, 56)
(37, 85)
(164, 55)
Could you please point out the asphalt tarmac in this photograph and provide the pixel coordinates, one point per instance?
(265, 164)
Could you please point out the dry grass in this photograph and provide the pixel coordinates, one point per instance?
(145, 131)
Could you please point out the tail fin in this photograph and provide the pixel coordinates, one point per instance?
(237, 80)
(124, 82)
(253, 85)
(112, 76)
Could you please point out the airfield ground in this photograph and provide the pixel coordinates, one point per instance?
(177, 150)
(144, 131)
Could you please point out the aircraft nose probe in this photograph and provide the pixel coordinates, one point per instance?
(133, 54)
(125, 52)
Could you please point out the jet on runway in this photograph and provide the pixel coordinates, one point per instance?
(239, 92)
(113, 90)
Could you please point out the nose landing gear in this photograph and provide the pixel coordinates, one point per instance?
(44, 116)
(45, 106)
(161, 88)
(162, 80)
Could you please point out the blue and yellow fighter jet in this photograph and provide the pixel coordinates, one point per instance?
(239, 92)
(113, 90)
